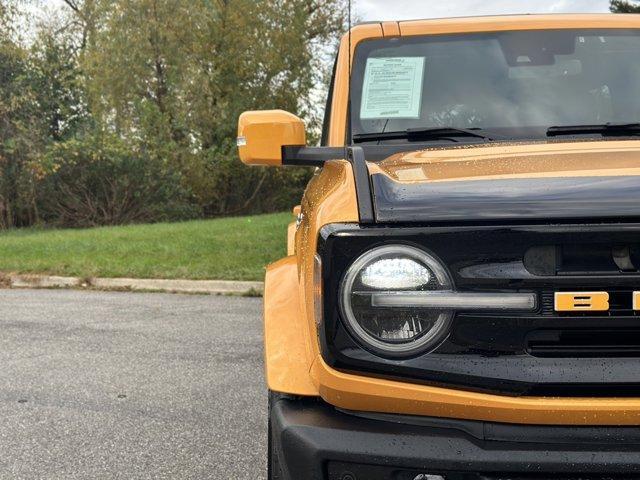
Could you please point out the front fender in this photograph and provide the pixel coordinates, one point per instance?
(287, 362)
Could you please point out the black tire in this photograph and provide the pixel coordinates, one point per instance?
(274, 471)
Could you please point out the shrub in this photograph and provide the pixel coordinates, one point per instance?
(99, 179)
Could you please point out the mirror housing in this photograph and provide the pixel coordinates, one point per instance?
(263, 134)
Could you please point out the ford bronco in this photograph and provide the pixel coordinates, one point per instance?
(461, 295)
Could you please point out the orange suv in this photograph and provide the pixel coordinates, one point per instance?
(461, 295)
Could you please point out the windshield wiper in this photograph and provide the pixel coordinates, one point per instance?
(606, 129)
(413, 134)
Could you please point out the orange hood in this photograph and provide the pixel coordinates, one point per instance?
(501, 161)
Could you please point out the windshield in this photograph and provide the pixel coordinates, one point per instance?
(511, 84)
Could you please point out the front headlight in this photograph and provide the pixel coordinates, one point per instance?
(395, 328)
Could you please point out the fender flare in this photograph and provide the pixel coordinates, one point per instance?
(287, 362)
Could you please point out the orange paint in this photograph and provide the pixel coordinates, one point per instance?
(521, 160)
(357, 393)
(338, 124)
(504, 23)
(285, 339)
(391, 29)
(262, 134)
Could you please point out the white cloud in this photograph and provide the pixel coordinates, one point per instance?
(414, 9)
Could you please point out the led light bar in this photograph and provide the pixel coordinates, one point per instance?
(448, 300)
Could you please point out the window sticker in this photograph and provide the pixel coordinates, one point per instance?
(392, 88)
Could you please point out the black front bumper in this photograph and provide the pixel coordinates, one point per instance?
(314, 441)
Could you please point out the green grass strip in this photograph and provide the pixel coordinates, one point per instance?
(235, 248)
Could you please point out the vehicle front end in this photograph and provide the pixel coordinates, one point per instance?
(462, 294)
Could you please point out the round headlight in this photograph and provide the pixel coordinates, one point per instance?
(394, 330)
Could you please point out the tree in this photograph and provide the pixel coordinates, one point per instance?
(115, 111)
(41, 102)
(175, 75)
(59, 84)
(22, 135)
(625, 6)
(82, 21)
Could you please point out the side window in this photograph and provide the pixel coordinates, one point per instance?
(327, 111)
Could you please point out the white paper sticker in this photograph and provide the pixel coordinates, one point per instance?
(392, 88)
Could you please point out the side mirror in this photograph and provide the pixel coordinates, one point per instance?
(262, 134)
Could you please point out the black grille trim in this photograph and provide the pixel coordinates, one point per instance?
(491, 352)
(583, 343)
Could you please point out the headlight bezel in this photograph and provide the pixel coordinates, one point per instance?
(423, 343)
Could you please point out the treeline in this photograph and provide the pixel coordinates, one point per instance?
(117, 111)
(625, 6)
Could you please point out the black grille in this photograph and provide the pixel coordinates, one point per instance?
(584, 343)
(353, 471)
(537, 353)
(550, 477)
(547, 303)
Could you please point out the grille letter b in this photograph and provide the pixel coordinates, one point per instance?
(581, 301)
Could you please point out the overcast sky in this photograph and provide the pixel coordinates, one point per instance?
(412, 9)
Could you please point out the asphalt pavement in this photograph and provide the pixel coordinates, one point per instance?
(99, 385)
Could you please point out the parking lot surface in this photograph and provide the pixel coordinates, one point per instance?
(130, 385)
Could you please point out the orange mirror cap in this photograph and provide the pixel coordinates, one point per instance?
(262, 134)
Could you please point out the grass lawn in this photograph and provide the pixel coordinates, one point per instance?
(222, 249)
